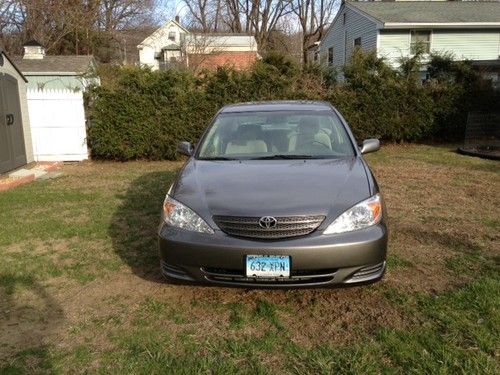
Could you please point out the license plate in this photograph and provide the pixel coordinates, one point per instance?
(268, 266)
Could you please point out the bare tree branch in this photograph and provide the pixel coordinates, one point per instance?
(313, 17)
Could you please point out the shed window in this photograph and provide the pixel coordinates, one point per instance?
(420, 41)
(357, 42)
(330, 56)
(171, 35)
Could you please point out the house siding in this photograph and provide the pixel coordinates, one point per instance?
(470, 44)
(147, 57)
(393, 44)
(341, 37)
(359, 26)
(463, 44)
(58, 82)
(334, 38)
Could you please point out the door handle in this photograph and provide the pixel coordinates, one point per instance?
(10, 119)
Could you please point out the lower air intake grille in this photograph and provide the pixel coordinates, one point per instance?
(367, 273)
(297, 277)
(285, 226)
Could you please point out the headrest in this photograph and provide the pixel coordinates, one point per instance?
(248, 132)
(308, 125)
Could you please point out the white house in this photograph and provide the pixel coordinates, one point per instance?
(163, 45)
(172, 44)
(468, 30)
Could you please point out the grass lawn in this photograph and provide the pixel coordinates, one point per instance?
(80, 289)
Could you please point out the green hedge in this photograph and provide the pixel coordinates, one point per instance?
(140, 114)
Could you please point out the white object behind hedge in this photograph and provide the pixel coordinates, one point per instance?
(57, 125)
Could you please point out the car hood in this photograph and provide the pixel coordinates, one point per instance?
(272, 187)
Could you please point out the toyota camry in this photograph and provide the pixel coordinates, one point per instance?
(275, 194)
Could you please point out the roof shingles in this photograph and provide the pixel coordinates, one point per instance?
(431, 11)
(59, 64)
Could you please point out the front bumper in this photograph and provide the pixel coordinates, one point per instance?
(316, 259)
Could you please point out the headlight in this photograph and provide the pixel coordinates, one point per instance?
(178, 215)
(362, 215)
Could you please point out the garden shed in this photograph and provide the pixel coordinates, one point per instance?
(15, 134)
(55, 101)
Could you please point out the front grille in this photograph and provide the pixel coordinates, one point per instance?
(286, 226)
(297, 277)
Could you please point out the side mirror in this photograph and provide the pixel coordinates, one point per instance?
(185, 148)
(370, 145)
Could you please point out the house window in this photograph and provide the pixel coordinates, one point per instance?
(420, 41)
(171, 35)
(357, 42)
(330, 56)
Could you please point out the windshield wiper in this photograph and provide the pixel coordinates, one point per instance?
(268, 157)
(284, 156)
(218, 158)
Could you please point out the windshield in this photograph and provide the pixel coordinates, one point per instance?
(276, 135)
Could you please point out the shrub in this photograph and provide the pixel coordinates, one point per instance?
(146, 114)
(140, 114)
(457, 89)
(379, 101)
(285, 65)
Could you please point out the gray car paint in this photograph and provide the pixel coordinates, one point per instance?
(276, 188)
(272, 187)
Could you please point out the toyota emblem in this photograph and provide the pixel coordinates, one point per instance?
(267, 222)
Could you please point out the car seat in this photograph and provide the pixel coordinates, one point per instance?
(247, 141)
(309, 137)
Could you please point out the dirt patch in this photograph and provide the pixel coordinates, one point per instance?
(51, 248)
(311, 316)
(109, 177)
(28, 315)
(339, 315)
(435, 213)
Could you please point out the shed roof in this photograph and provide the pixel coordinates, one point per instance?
(431, 11)
(5, 56)
(32, 43)
(55, 64)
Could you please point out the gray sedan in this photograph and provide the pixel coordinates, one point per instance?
(275, 194)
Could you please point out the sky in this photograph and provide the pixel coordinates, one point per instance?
(168, 9)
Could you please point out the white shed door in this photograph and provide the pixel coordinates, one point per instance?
(57, 121)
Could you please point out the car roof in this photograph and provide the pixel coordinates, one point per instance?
(271, 106)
